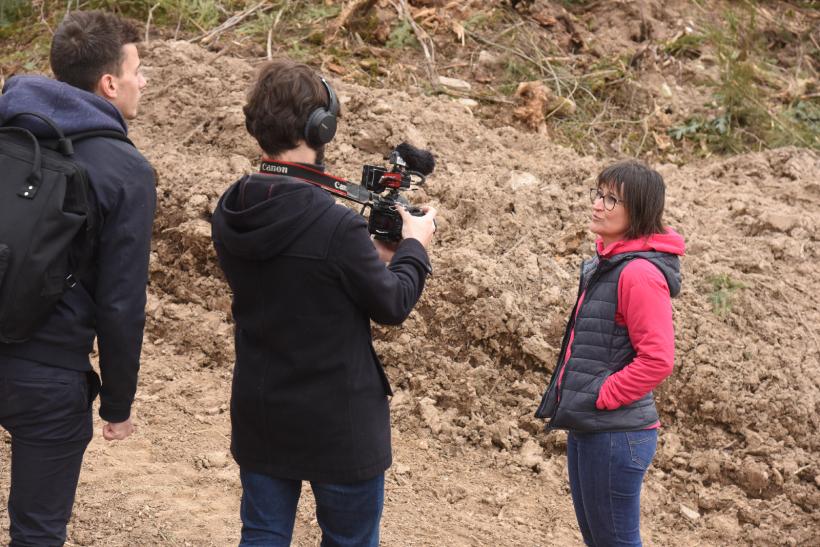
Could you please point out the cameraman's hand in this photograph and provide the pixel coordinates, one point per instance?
(421, 228)
(118, 431)
(386, 250)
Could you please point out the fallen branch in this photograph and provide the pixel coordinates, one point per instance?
(475, 96)
(424, 39)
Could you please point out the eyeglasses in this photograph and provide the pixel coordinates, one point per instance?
(610, 201)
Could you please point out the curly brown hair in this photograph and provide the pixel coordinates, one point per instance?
(87, 45)
(279, 103)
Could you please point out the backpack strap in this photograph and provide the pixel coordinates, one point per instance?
(35, 177)
(63, 145)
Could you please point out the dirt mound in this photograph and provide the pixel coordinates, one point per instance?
(740, 413)
(738, 460)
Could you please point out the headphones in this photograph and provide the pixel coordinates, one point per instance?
(321, 124)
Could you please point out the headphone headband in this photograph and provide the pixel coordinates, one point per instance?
(332, 101)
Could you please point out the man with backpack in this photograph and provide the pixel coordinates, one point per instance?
(47, 384)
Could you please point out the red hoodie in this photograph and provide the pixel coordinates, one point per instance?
(645, 308)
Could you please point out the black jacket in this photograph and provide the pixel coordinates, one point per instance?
(309, 397)
(600, 348)
(109, 302)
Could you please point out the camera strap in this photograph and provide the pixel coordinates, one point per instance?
(334, 185)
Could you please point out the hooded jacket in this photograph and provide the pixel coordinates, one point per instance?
(109, 301)
(309, 395)
(619, 342)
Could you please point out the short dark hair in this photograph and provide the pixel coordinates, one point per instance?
(279, 103)
(643, 193)
(88, 44)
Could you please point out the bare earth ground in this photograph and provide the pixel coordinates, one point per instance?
(738, 458)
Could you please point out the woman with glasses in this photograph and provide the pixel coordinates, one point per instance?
(619, 344)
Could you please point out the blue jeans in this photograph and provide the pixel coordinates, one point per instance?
(348, 514)
(606, 471)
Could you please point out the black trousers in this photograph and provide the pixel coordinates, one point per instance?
(47, 411)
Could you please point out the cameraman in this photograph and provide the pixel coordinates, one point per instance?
(309, 396)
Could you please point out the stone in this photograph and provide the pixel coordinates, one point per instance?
(216, 460)
(778, 222)
(689, 513)
(532, 455)
(755, 477)
(520, 180)
(454, 83)
(489, 60)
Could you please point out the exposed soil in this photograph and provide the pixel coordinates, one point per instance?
(738, 457)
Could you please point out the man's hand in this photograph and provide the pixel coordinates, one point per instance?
(386, 250)
(421, 228)
(118, 431)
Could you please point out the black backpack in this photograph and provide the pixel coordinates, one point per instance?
(48, 224)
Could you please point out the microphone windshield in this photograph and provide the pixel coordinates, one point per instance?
(416, 159)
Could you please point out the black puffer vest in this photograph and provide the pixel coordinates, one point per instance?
(600, 348)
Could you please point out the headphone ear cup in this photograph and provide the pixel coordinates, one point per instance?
(320, 128)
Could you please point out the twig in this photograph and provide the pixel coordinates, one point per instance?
(345, 15)
(777, 120)
(424, 39)
(231, 22)
(517, 52)
(481, 98)
(179, 25)
(549, 66)
(148, 22)
(43, 16)
(270, 32)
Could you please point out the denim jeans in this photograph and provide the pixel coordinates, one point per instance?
(47, 411)
(348, 514)
(606, 472)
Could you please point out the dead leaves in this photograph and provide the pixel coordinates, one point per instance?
(538, 103)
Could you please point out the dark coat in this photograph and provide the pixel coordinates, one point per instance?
(109, 301)
(309, 397)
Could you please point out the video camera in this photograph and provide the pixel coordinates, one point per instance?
(409, 167)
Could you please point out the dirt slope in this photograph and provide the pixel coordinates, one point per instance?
(738, 461)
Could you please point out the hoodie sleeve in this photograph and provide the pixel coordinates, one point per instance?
(122, 276)
(646, 308)
(388, 294)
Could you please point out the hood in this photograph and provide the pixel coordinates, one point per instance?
(261, 229)
(670, 242)
(662, 250)
(71, 108)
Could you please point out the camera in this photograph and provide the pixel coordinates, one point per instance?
(385, 222)
(409, 167)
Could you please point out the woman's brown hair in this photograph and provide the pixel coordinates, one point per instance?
(642, 192)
